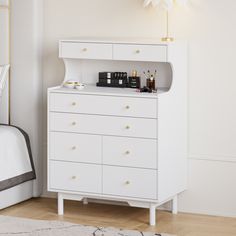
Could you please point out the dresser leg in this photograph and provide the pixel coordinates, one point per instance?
(175, 205)
(152, 212)
(85, 201)
(60, 204)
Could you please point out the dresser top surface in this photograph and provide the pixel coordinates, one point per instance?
(107, 91)
(152, 41)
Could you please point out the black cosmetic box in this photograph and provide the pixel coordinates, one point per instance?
(112, 79)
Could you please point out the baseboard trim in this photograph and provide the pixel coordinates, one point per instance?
(216, 158)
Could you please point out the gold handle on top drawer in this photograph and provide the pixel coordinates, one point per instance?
(137, 51)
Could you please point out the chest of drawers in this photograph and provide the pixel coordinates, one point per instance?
(117, 144)
(88, 138)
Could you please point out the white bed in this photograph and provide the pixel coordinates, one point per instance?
(16, 194)
(17, 168)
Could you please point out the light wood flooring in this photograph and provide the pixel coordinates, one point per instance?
(124, 217)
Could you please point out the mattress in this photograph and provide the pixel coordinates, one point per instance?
(16, 161)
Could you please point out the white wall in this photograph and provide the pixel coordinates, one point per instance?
(209, 26)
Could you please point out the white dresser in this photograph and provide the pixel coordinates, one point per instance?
(115, 143)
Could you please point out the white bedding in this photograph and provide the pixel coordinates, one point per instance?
(16, 162)
(14, 156)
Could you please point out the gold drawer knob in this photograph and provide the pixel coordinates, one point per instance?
(73, 177)
(137, 51)
(74, 123)
(127, 152)
(73, 103)
(127, 107)
(85, 50)
(127, 127)
(127, 182)
(74, 147)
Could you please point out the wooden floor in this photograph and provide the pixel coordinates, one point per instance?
(124, 217)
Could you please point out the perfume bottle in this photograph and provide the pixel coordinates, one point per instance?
(134, 80)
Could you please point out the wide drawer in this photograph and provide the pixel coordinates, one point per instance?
(137, 52)
(130, 182)
(103, 105)
(75, 147)
(131, 152)
(70, 176)
(85, 50)
(104, 125)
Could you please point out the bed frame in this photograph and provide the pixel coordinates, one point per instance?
(16, 194)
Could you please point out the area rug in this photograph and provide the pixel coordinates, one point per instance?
(26, 227)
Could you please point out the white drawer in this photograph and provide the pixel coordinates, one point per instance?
(132, 152)
(85, 50)
(136, 52)
(130, 182)
(104, 125)
(70, 176)
(75, 147)
(103, 105)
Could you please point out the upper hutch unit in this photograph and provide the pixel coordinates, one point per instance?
(116, 143)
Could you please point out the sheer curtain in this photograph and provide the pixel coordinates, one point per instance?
(4, 55)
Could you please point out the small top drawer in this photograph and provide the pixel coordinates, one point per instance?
(137, 52)
(85, 50)
(103, 105)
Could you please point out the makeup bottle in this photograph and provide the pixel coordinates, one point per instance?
(134, 80)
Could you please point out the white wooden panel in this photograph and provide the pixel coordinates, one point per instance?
(120, 106)
(130, 152)
(130, 182)
(75, 147)
(172, 128)
(107, 125)
(132, 52)
(75, 177)
(85, 50)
